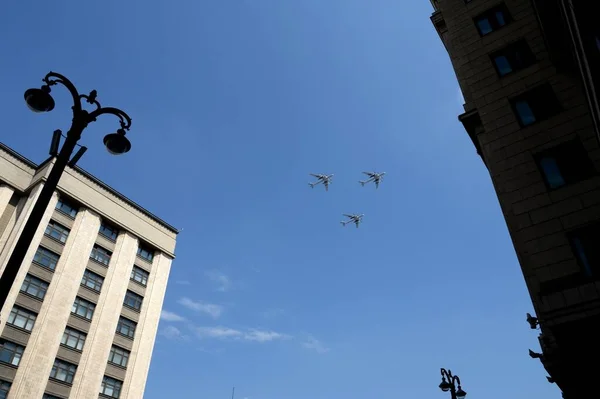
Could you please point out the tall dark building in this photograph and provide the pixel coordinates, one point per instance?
(529, 71)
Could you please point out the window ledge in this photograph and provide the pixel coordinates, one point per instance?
(132, 308)
(149, 261)
(138, 283)
(81, 317)
(42, 265)
(67, 384)
(19, 328)
(100, 263)
(97, 292)
(55, 239)
(71, 349)
(28, 295)
(12, 366)
(65, 213)
(117, 365)
(124, 335)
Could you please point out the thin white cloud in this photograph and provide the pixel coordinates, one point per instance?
(221, 280)
(207, 308)
(170, 316)
(272, 313)
(226, 333)
(314, 344)
(172, 333)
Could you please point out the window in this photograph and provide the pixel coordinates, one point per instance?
(48, 396)
(145, 253)
(139, 275)
(100, 255)
(492, 20)
(535, 105)
(133, 300)
(565, 164)
(92, 280)
(22, 318)
(118, 356)
(57, 231)
(63, 371)
(65, 207)
(108, 231)
(585, 245)
(126, 327)
(83, 308)
(34, 286)
(4, 388)
(46, 258)
(111, 387)
(11, 353)
(512, 58)
(73, 339)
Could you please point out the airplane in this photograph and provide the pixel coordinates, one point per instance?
(356, 219)
(373, 176)
(325, 179)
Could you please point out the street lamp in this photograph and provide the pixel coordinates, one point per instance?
(452, 383)
(39, 101)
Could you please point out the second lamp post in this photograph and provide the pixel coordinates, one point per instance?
(451, 383)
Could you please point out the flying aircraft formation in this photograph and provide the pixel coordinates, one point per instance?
(326, 180)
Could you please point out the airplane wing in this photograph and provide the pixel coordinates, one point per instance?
(326, 184)
(313, 175)
(376, 183)
(357, 222)
(370, 174)
(348, 216)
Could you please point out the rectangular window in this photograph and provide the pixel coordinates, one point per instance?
(49, 396)
(492, 19)
(73, 339)
(585, 245)
(118, 356)
(22, 318)
(63, 371)
(46, 258)
(92, 280)
(111, 387)
(133, 300)
(535, 105)
(512, 58)
(65, 207)
(11, 353)
(83, 308)
(4, 388)
(126, 327)
(57, 231)
(565, 164)
(34, 286)
(100, 255)
(145, 253)
(109, 231)
(139, 275)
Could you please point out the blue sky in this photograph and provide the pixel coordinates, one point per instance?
(239, 100)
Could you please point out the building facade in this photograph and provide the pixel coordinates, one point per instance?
(81, 319)
(528, 71)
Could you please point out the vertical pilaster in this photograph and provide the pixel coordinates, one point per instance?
(104, 324)
(139, 362)
(45, 338)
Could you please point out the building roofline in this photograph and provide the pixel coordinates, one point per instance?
(99, 182)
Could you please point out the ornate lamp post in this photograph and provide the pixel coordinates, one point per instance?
(452, 383)
(40, 100)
